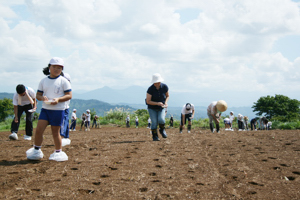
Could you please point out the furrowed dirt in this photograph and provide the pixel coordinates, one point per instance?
(124, 163)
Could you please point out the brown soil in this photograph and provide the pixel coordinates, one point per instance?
(124, 163)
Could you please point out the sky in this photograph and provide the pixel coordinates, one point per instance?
(233, 50)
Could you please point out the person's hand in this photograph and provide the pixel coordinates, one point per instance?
(54, 101)
(160, 104)
(218, 120)
(165, 105)
(16, 120)
(45, 98)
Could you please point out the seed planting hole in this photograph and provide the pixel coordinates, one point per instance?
(264, 160)
(156, 159)
(234, 177)
(96, 183)
(104, 176)
(118, 162)
(159, 166)
(143, 189)
(225, 165)
(74, 168)
(112, 168)
(283, 165)
(84, 191)
(298, 173)
(288, 143)
(128, 157)
(152, 174)
(156, 181)
(272, 158)
(36, 190)
(232, 154)
(276, 168)
(13, 173)
(199, 184)
(254, 183)
(291, 178)
(251, 192)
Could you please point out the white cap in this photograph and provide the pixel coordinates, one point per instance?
(231, 112)
(157, 78)
(88, 110)
(67, 76)
(56, 61)
(74, 109)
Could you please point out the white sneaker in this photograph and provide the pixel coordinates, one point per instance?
(65, 141)
(59, 157)
(240, 129)
(189, 131)
(26, 137)
(13, 136)
(70, 130)
(226, 129)
(33, 154)
(74, 130)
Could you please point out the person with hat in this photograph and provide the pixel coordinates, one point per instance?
(136, 122)
(24, 101)
(87, 120)
(241, 123)
(73, 120)
(127, 120)
(157, 100)
(187, 113)
(214, 111)
(231, 120)
(53, 90)
(95, 119)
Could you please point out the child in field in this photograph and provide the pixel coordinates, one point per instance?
(187, 113)
(246, 122)
(136, 122)
(231, 118)
(253, 123)
(240, 119)
(214, 111)
(73, 121)
(227, 124)
(54, 91)
(95, 121)
(83, 118)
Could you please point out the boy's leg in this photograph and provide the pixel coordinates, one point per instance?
(14, 125)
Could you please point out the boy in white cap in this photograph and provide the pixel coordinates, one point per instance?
(127, 120)
(73, 120)
(187, 113)
(214, 111)
(231, 118)
(87, 120)
(24, 101)
(53, 91)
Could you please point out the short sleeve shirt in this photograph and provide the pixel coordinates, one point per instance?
(184, 111)
(212, 109)
(24, 99)
(158, 95)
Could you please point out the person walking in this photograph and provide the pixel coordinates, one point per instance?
(53, 91)
(214, 111)
(127, 120)
(24, 100)
(187, 113)
(157, 100)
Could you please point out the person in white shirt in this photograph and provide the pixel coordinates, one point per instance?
(53, 91)
(231, 118)
(241, 123)
(24, 101)
(136, 122)
(187, 113)
(214, 111)
(227, 124)
(87, 120)
(73, 120)
(127, 121)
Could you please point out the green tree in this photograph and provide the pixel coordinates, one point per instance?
(6, 108)
(279, 107)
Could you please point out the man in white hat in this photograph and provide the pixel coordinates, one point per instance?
(157, 100)
(214, 111)
(187, 113)
(87, 120)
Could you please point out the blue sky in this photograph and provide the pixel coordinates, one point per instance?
(232, 50)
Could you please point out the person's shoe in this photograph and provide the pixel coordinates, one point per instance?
(163, 133)
(240, 129)
(70, 130)
(155, 138)
(189, 131)
(65, 142)
(180, 131)
(59, 157)
(33, 154)
(74, 130)
(27, 137)
(13, 136)
(226, 129)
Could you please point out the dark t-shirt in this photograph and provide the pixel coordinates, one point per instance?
(158, 95)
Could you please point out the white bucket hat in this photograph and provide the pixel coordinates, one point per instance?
(221, 106)
(157, 78)
(56, 61)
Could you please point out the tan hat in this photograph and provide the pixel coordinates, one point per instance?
(221, 106)
(156, 78)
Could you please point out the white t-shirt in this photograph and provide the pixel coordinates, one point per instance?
(149, 120)
(210, 108)
(227, 120)
(74, 116)
(184, 111)
(136, 119)
(231, 117)
(88, 117)
(54, 88)
(24, 99)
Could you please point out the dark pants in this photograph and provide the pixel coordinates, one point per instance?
(64, 129)
(73, 124)
(241, 125)
(28, 127)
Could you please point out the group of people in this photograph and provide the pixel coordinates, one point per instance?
(55, 92)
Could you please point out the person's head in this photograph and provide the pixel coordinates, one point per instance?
(21, 89)
(56, 66)
(156, 79)
(88, 111)
(74, 110)
(231, 112)
(188, 106)
(221, 106)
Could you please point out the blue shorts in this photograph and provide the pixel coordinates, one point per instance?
(54, 117)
